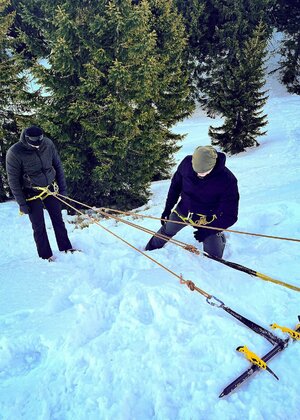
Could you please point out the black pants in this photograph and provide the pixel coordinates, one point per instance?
(37, 219)
(213, 244)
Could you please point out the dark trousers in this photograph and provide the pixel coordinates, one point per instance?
(213, 244)
(37, 219)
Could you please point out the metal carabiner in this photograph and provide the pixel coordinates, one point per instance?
(218, 303)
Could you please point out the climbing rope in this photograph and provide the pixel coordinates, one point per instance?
(210, 299)
(257, 362)
(128, 213)
(114, 234)
(186, 246)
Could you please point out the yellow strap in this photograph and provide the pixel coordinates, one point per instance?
(44, 192)
(202, 221)
(256, 360)
(282, 283)
(294, 334)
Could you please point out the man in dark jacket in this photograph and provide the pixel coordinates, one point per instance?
(34, 162)
(209, 196)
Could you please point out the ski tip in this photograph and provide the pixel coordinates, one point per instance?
(221, 395)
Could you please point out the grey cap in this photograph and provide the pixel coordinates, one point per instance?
(204, 159)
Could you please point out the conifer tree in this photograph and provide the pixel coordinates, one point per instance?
(223, 32)
(116, 84)
(287, 20)
(13, 95)
(240, 96)
(193, 13)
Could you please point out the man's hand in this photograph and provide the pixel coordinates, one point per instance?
(201, 234)
(165, 215)
(24, 209)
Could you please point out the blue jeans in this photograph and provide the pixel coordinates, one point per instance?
(214, 244)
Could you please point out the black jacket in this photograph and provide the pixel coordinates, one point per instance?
(217, 193)
(27, 166)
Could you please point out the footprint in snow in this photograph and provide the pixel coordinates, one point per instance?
(17, 361)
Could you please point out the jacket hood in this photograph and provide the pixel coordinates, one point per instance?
(24, 142)
(22, 136)
(220, 164)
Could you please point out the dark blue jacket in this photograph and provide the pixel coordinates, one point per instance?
(27, 167)
(217, 193)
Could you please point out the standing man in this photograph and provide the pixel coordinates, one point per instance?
(209, 196)
(34, 162)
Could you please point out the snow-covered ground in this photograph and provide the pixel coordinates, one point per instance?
(108, 334)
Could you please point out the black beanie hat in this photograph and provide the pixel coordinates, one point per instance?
(33, 131)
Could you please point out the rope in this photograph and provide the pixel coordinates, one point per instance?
(191, 285)
(184, 245)
(205, 227)
(182, 281)
(210, 299)
(190, 248)
(123, 240)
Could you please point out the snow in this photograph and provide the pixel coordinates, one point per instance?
(108, 334)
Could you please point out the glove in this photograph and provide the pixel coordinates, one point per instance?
(165, 215)
(201, 234)
(62, 189)
(24, 209)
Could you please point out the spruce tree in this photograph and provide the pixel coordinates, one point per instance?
(13, 96)
(241, 97)
(115, 84)
(287, 20)
(219, 45)
(194, 13)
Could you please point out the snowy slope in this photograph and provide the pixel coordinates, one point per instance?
(108, 334)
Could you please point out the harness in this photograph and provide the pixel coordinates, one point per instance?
(45, 192)
(200, 221)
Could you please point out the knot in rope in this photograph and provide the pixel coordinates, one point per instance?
(189, 283)
(192, 248)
